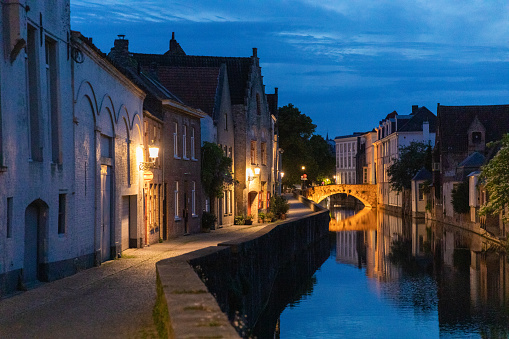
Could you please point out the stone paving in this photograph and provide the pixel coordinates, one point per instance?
(114, 300)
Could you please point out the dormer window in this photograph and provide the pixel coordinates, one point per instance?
(476, 137)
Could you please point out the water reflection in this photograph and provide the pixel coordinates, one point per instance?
(417, 279)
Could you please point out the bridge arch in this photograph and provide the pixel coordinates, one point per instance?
(366, 193)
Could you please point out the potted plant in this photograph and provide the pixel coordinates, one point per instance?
(270, 217)
(208, 221)
(261, 217)
(279, 206)
(248, 220)
(238, 220)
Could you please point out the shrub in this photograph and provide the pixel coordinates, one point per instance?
(238, 220)
(208, 220)
(279, 205)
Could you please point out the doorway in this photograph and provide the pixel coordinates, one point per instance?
(36, 223)
(105, 213)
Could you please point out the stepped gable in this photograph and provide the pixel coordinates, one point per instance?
(238, 68)
(454, 122)
(196, 86)
(418, 116)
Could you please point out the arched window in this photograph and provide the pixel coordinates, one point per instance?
(258, 105)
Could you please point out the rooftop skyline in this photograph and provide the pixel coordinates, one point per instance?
(344, 64)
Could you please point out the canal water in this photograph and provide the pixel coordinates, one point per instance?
(387, 277)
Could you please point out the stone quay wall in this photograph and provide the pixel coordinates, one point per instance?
(222, 290)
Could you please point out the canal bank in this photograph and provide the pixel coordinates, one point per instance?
(239, 274)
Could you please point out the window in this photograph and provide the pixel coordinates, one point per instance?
(184, 142)
(106, 149)
(365, 175)
(193, 199)
(32, 71)
(253, 152)
(176, 198)
(52, 99)
(264, 153)
(225, 122)
(230, 153)
(230, 201)
(258, 104)
(175, 141)
(476, 137)
(193, 155)
(225, 202)
(421, 192)
(61, 213)
(9, 217)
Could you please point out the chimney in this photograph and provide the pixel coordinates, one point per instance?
(255, 52)
(175, 48)
(415, 108)
(120, 51)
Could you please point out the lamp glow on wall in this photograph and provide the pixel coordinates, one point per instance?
(153, 153)
(251, 174)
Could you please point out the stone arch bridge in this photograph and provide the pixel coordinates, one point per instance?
(366, 193)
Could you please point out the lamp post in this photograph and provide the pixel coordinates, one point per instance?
(282, 174)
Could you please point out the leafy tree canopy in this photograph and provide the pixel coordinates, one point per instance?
(302, 148)
(411, 159)
(216, 171)
(495, 176)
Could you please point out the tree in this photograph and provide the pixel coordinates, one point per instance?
(324, 161)
(459, 200)
(302, 148)
(411, 159)
(495, 176)
(215, 172)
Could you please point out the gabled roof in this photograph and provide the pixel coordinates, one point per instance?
(454, 122)
(417, 118)
(423, 174)
(196, 86)
(238, 68)
(475, 159)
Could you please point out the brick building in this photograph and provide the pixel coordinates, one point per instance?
(173, 202)
(253, 121)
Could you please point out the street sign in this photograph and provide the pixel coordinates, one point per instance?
(148, 175)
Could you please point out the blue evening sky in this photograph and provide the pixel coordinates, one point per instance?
(344, 63)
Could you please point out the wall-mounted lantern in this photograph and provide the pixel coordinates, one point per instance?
(153, 153)
(251, 175)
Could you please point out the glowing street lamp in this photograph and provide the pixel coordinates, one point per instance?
(153, 154)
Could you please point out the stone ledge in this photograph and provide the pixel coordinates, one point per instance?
(193, 312)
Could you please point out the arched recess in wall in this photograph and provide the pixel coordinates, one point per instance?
(85, 170)
(85, 89)
(107, 104)
(136, 143)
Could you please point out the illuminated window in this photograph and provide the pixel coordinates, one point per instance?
(176, 197)
(421, 192)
